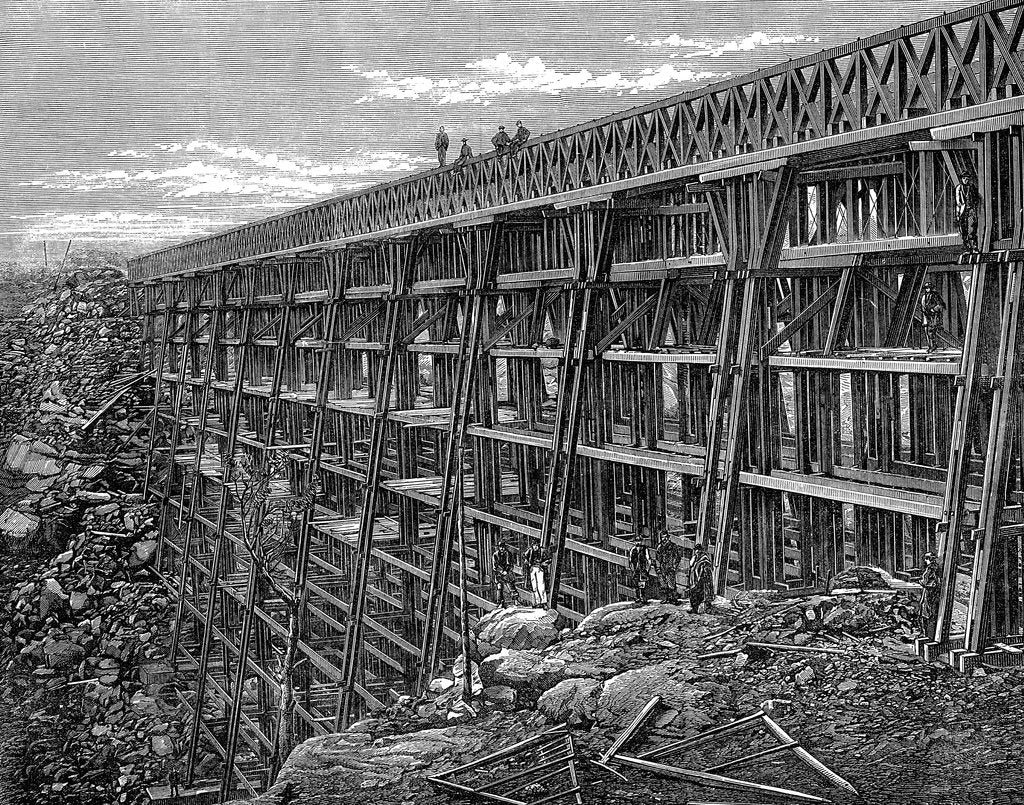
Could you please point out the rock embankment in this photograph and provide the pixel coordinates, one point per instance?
(84, 618)
(844, 680)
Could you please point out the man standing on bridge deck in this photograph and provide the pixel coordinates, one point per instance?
(931, 307)
(666, 556)
(640, 564)
(538, 561)
(967, 200)
(441, 146)
(702, 589)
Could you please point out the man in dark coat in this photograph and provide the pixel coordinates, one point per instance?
(503, 561)
(640, 565)
(465, 154)
(520, 138)
(666, 557)
(501, 141)
(931, 579)
(702, 590)
(931, 308)
(441, 146)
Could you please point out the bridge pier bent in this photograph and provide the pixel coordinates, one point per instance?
(702, 315)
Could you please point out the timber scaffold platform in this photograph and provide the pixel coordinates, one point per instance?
(733, 277)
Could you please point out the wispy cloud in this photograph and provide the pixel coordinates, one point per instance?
(232, 171)
(115, 226)
(358, 165)
(699, 48)
(503, 74)
(130, 152)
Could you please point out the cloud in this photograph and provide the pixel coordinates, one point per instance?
(362, 163)
(234, 171)
(130, 152)
(708, 49)
(117, 226)
(503, 74)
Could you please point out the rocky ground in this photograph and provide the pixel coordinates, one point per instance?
(852, 692)
(91, 720)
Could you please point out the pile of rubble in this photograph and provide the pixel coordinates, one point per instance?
(90, 629)
(61, 354)
(840, 670)
(69, 353)
(85, 620)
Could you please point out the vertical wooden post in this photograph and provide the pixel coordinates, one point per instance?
(219, 548)
(484, 251)
(401, 274)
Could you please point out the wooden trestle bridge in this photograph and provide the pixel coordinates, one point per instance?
(734, 277)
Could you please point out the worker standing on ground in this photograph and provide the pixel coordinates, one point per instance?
(521, 136)
(503, 563)
(640, 564)
(702, 590)
(501, 141)
(441, 146)
(931, 308)
(666, 557)
(537, 560)
(930, 580)
(173, 772)
(967, 200)
(465, 154)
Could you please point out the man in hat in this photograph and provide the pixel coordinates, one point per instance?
(640, 564)
(967, 200)
(441, 146)
(501, 141)
(503, 562)
(931, 308)
(522, 135)
(549, 371)
(666, 557)
(465, 154)
(538, 560)
(931, 579)
(702, 590)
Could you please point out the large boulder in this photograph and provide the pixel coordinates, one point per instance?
(522, 671)
(627, 615)
(518, 628)
(571, 700)
(862, 577)
(17, 526)
(31, 458)
(142, 553)
(62, 655)
(623, 695)
(52, 597)
(354, 768)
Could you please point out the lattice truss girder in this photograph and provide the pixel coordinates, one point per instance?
(962, 59)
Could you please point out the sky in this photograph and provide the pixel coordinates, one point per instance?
(132, 125)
